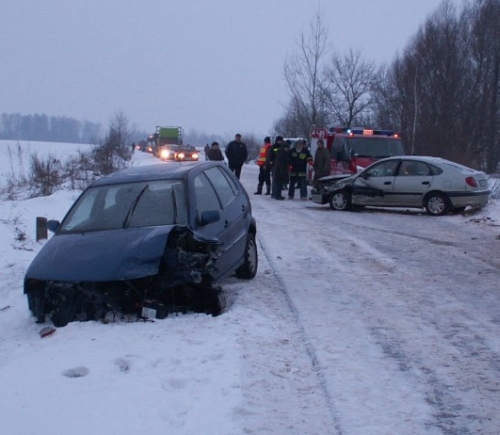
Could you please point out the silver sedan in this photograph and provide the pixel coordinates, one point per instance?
(433, 183)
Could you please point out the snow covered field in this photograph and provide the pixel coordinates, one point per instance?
(375, 323)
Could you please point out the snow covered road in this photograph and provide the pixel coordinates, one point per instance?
(364, 323)
(399, 309)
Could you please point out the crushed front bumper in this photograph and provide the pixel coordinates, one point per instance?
(319, 197)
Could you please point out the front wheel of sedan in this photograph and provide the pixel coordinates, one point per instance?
(340, 201)
(248, 269)
(437, 204)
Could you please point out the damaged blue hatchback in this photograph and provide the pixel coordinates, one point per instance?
(146, 240)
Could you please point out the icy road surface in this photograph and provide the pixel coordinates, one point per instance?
(399, 313)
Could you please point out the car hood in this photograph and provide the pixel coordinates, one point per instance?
(339, 182)
(112, 255)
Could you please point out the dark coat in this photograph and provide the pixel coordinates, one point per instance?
(321, 163)
(299, 161)
(281, 163)
(215, 154)
(236, 153)
(271, 156)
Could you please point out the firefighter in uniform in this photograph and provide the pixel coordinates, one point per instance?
(300, 157)
(264, 167)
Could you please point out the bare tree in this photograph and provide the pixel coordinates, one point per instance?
(430, 91)
(485, 55)
(347, 85)
(114, 152)
(303, 75)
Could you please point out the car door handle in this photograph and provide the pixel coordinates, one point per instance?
(243, 208)
(387, 183)
(426, 182)
(226, 224)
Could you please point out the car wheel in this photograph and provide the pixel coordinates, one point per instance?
(214, 301)
(437, 204)
(248, 269)
(340, 200)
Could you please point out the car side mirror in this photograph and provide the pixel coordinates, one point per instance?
(364, 175)
(208, 217)
(53, 225)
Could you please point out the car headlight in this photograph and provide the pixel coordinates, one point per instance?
(164, 154)
(195, 155)
(181, 156)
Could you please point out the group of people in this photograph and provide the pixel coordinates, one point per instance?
(236, 154)
(281, 165)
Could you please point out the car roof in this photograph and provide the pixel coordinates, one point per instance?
(439, 161)
(429, 159)
(161, 171)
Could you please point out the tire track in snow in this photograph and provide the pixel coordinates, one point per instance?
(308, 345)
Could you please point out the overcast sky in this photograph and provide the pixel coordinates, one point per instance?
(214, 66)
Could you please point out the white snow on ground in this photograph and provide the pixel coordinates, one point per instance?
(374, 323)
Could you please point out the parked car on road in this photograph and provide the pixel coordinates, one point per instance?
(433, 183)
(156, 237)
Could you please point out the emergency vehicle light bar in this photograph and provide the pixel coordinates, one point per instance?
(362, 131)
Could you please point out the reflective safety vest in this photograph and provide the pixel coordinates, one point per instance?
(261, 160)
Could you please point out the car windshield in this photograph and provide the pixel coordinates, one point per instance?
(128, 205)
(373, 146)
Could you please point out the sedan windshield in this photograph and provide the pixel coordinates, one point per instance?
(131, 205)
(378, 147)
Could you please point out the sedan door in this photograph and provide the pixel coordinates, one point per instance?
(412, 182)
(214, 191)
(375, 185)
(235, 213)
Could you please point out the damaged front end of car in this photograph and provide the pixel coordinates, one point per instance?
(183, 281)
(328, 185)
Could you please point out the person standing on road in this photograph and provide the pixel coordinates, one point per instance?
(300, 157)
(207, 150)
(264, 167)
(215, 154)
(321, 163)
(280, 167)
(236, 153)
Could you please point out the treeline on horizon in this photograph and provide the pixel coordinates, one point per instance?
(48, 129)
(44, 128)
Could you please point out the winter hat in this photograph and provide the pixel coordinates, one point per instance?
(279, 138)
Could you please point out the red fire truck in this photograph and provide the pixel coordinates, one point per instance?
(353, 149)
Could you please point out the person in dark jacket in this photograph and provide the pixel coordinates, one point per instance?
(215, 153)
(300, 157)
(236, 153)
(207, 150)
(280, 167)
(321, 163)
